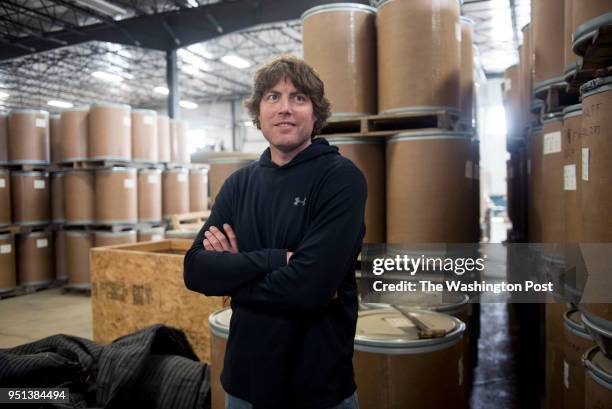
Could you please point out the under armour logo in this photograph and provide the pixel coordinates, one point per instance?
(298, 201)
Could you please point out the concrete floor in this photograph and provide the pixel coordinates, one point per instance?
(34, 316)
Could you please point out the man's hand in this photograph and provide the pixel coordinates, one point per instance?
(215, 240)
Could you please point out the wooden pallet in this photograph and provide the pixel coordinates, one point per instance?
(391, 124)
(189, 221)
(596, 59)
(101, 164)
(26, 167)
(68, 289)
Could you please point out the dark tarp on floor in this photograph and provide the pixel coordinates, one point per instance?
(153, 368)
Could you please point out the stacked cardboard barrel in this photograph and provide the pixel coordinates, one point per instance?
(89, 176)
(392, 61)
(568, 191)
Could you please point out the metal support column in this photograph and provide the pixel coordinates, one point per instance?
(172, 81)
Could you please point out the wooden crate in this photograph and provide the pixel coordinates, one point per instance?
(137, 285)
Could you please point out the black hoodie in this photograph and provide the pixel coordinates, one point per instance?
(291, 342)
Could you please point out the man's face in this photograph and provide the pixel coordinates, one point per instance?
(286, 117)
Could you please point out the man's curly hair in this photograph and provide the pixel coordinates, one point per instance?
(304, 78)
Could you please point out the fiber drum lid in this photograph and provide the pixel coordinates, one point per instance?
(220, 322)
(599, 367)
(599, 329)
(338, 7)
(573, 323)
(448, 303)
(596, 86)
(388, 331)
(588, 30)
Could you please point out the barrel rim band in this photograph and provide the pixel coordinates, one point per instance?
(346, 140)
(574, 328)
(29, 162)
(466, 19)
(144, 111)
(423, 109)
(28, 111)
(104, 233)
(588, 29)
(596, 86)
(78, 233)
(30, 173)
(110, 105)
(590, 322)
(35, 234)
(544, 85)
(149, 170)
(338, 7)
(348, 115)
(176, 170)
(80, 108)
(572, 109)
(596, 373)
(6, 236)
(552, 117)
(436, 134)
(76, 171)
(117, 169)
(382, 3)
(199, 170)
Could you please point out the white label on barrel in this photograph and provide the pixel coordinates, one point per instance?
(127, 121)
(399, 322)
(156, 237)
(39, 184)
(458, 32)
(129, 183)
(569, 177)
(529, 166)
(566, 375)
(5, 249)
(181, 177)
(552, 142)
(41, 123)
(2, 183)
(153, 179)
(508, 84)
(469, 169)
(41, 243)
(585, 164)
(148, 120)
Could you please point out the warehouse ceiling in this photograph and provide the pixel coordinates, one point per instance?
(55, 50)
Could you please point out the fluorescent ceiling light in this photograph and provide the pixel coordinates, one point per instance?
(102, 6)
(193, 3)
(188, 104)
(161, 90)
(194, 59)
(189, 69)
(59, 104)
(3, 95)
(201, 50)
(235, 61)
(106, 76)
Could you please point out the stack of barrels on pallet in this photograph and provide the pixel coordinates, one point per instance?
(361, 54)
(559, 189)
(92, 176)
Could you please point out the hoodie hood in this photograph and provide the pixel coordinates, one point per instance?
(318, 147)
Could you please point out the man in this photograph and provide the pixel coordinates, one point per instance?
(282, 240)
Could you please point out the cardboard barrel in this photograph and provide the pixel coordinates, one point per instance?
(35, 258)
(8, 271)
(466, 78)
(78, 243)
(198, 190)
(164, 144)
(80, 188)
(74, 134)
(30, 198)
(534, 185)
(553, 209)
(175, 192)
(389, 356)
(152, 234)
(116, 196)
(59, 244)
(577, 342)
(405, 33)
(554, 343)
(109, 132)
(3, 138)
(548, 46)
(221, 167)
(28, 137)
(5, 198)
(512, 101)
(589, 16)
(569, 58)
(58, 206)
(149, 196)
(219, 322)
(368, 154)
(144, 136)
(178, 138)
(598, 381)
(422, 167)
(339, 42)
(55, 137)
(110, 238)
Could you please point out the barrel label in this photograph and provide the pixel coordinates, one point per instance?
(458, 32)
(41, 243)
(2, 183)
(569, 177)
(182, 177)
(41, 123)
(153, 179)
(585, 164)
(469, 169)
(148, 120)
(508, 84)
(552, 142)
(129, 183)
(5, 249)
(127, 121)
(156, 237)
(39, 184)
(566, 375)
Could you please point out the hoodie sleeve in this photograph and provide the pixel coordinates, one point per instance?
(220, 273)
(327, 251)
